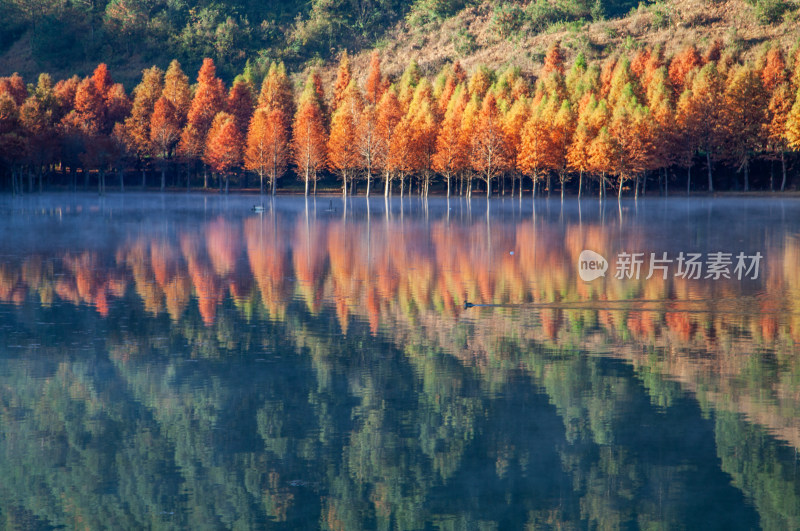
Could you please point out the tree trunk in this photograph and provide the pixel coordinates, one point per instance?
(689, 180)
(580, 183)
(710, 179)
(121, 174)
(771, 175)
(783, 166)
(163, 178)
(746, 175)
(448, 185)
(306, 192)
(619, 193)
(144, 179)
(205, 178)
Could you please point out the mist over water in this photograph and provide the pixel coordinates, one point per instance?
(182, 361)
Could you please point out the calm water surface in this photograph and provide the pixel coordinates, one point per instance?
(179, 361)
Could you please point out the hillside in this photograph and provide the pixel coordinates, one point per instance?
(70, 37)
(475, 37)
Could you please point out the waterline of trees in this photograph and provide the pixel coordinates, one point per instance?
(701, 121)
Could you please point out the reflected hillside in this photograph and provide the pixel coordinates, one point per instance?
(312, 366)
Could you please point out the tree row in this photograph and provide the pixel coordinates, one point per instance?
(615, 124)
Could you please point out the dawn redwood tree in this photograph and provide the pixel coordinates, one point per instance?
(376, 83)
(165, 133)
(775, 80)
(208, 101)
(177, 90)
(681, 65)
(12, 144)
(223, 151)
(668, 147)
(240, 104)
(389, 115)
(422, 125)
(267, 146)
(344, 76)
(601, 155)
(398, 159)
(792, 132)
(277, 92)
(15, 87)
(513, 123)
(308, 137)
(704, 110)
(488, 143)
(446, 94)
(451, 153)
(745, 104)
(561, 132)
(554, 60)
(38, 118)
(578, 152)
(367, 139)
(343, 153)
(631, 133)
(88, 113)
(535, 144)
(137, 125)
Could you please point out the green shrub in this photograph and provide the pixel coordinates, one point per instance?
(464, 42)
(770, 11)
(507, 19)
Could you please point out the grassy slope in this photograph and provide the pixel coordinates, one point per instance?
(433, 45)
(692, 21)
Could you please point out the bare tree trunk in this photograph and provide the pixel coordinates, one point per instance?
(710, 179)
(689, 180)
(746, 175)
(580, 183)
(163, 178)
(771, 175)
(783, 166)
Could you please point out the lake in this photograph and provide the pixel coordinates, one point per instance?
(184, 362)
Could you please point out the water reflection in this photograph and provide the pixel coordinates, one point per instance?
(207, 366)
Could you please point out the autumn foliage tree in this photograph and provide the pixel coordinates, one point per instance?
(208, 101)
(223, 151)
(343, 153)
(267, 146)
(308, 137)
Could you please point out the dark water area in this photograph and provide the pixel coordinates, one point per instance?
(184, 362)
